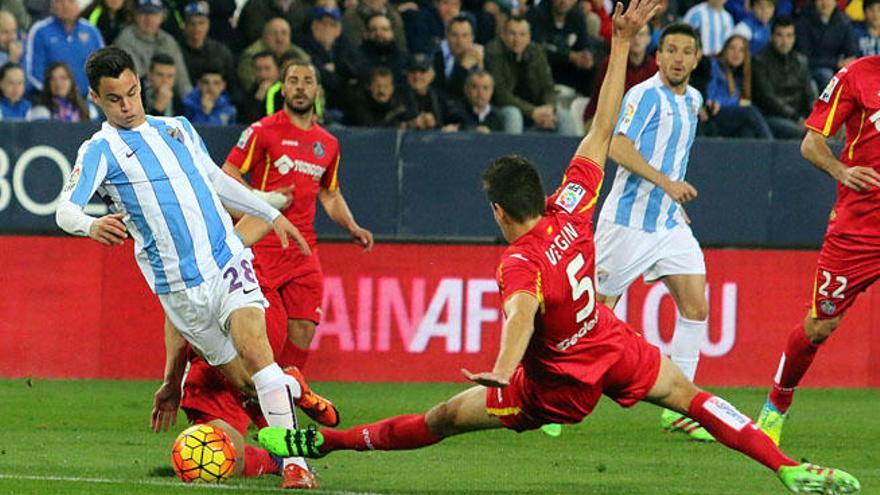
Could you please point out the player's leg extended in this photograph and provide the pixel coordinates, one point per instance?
(462, 413)
(800, 350)
(276, 391)
(735, 430)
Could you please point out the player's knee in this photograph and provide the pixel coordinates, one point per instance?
(441, 420)
(818, 330)
(695, 311)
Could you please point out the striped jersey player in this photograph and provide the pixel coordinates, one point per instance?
(642, 229)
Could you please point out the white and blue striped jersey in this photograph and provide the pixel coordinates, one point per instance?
(662, 125)
(160, 175)
(714, 25)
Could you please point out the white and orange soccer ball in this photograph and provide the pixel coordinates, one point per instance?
(203, 454)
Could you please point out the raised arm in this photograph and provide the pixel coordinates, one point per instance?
(626, 25)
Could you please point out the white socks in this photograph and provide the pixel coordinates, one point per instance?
(277, 392)
(689, 336)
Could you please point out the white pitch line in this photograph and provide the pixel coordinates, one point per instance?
(169, 484)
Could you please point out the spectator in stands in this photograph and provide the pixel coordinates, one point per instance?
(145, 38)
(755, 26)
(378, 105)
(62, 37)
(109, 16)
(561, 30)
(199, 50)
(741, 9)
(276, 38)
(477, 114)
(524, 83)
(825, 36)
(380, 49)
(257, 13)
(266, 73)
(10, 47)
(782, 84)
(59, 99)
(427, 107)
(730, 92)
(868, 34)
(157, 89)
(18, 11)
(640, 66)
(336, 60)
(425, 24)
(713, 22)
(457, 57)
(208, 102)
(354, 22)
(13, 104)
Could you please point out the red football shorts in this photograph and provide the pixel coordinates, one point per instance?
(845, 269)
(297, 279)
(526, 404)
(208, 396)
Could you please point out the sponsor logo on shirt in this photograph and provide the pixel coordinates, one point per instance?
(829, 89)
(289, 142)
(243, 139)
(570, 196)
(285, 165)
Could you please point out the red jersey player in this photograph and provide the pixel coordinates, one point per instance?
(849, 261)
(560, 351)
(289, 153)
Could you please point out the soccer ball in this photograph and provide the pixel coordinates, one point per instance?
(203, 454)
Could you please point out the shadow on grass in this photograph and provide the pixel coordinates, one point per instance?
(161, 472)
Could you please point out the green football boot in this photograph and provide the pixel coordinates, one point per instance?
(292, 443)
(771, 421)
(552, 429)
(673, 421)
(810, 478)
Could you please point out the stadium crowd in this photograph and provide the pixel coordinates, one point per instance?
(455, 65)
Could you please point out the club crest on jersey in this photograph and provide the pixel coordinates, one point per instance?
(827, 306)
(243, 139)
(318, 150)
(84, 37)
(175, 134)
(570, 196)
(73, 179)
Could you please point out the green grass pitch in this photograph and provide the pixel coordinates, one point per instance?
(91, 437)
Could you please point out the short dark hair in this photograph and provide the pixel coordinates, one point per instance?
(512, 182)
(779, 22)
(461, 19)
(517, 18)
(264, 54)
(110, 61)
(8, 66)
(161, 59)
(380, 71)
(212, 68)
(680, 28)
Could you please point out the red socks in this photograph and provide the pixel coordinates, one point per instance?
(794, 363)
(293, 355)
(257, 462)
(735, 430)
(397, 433)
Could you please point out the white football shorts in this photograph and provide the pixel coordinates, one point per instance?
(624, 253)
(201, 313)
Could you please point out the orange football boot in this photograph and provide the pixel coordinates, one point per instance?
(316, 407)
(298, 477)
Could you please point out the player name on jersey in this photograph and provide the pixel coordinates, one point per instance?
(561, 243)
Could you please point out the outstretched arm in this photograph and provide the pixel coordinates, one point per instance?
(167, 399)
(627, 24)
(518, 328)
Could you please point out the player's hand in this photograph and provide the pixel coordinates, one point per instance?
(165, 404)
(626, 25)
(681, 191)
(109, 229)
(859, 179)
(363, 237)
(486, 378)
(284, 230)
